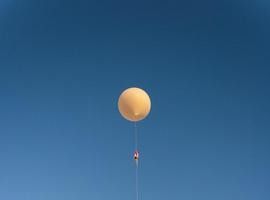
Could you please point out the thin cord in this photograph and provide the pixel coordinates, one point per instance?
(136, 170)
(137, 189)
(136, 136)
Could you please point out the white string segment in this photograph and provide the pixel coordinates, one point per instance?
(137, 162)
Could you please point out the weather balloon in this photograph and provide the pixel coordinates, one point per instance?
(134, 104)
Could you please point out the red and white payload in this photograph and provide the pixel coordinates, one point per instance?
(136, 155)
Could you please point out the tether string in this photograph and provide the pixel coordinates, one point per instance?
(137, 161)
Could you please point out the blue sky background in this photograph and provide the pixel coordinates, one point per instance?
(205, 64)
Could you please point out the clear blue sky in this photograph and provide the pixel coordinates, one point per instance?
(205, 65)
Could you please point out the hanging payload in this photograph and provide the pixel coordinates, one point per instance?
(136, 157)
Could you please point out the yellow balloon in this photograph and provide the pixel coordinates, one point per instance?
(134, 104)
